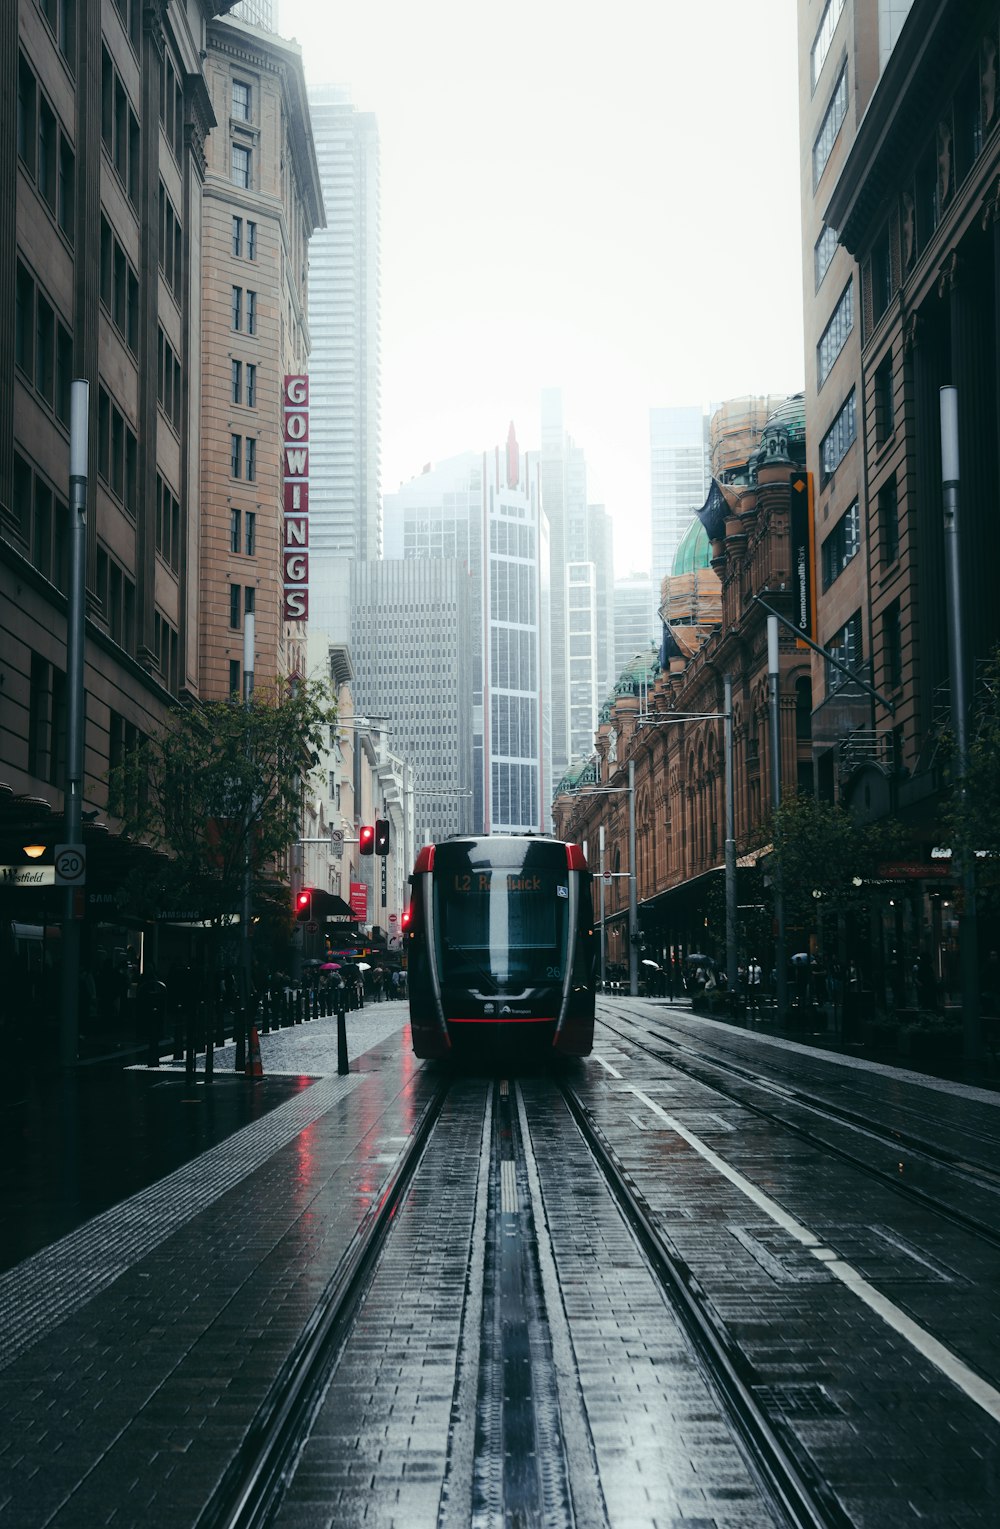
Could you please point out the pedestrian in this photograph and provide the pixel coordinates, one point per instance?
(754, 975)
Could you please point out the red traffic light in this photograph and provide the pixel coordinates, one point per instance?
(381, 836)
(303, 903)
(366, 839)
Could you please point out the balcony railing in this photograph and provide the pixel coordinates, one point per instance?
(866, 746)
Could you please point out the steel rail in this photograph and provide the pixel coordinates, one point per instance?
(246, 1492)
(802, 1497)
(983, 1176)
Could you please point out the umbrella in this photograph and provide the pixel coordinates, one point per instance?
(363, 966)
(699, 957)
(330, 966)
(312, 961)
(801, 958)
(651, 963)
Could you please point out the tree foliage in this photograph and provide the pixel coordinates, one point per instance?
(221, 784)
(818, 847)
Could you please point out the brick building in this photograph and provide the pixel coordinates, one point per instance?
(742, 547)
(261, 202)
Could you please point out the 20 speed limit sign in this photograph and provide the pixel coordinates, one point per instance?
(71, 865)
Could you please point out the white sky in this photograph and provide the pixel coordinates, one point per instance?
(603, 198)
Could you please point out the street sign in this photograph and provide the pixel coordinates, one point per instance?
(27, 875)
(312, 927)
(607, 875)
(71, 865)
(392, 918)
(337, 843)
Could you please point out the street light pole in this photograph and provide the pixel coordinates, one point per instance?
(731, 970)
(968, 932)
(780, 958)
(79, 414)
(633, 909)
(246, 911)
(604, 982)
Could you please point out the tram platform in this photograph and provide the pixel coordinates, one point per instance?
(165, 1242)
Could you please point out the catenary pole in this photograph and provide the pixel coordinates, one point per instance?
(731, 973)
(633, 909)
(79, 414)
(968, 933)
(780, 955)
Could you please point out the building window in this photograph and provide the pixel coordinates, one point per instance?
(240, 166)
(832, 122)
(835, 334)
(251, 458)
(237, 307)
(237, 381)
(892, 645)
(824, 37)
(880, 276)
(235, 517)
(838, 440)
(27, 115)
(235, 602)
(234, 678)
(251, 529)
(249, 599)
(237, 236)
(251, 240)
(251, 312)
(241, 101)
(823, 252)
(885, 405)
(888, 521)
(841, 545)
(251, 385)
(236, 456)
(845, 645)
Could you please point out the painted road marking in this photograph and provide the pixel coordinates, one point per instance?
(959, 1373)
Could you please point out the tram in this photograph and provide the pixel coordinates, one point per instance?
(500, 946)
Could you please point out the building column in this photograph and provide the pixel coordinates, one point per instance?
(930, 656)
(973, 367)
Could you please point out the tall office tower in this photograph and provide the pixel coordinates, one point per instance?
(261, 203)
(578, 535)
(635, 628)
(345, 498)
(601, 548)
(412, 646)
(843, 48)
(679, 463)
(258, 13)
(462, 506)
(515, 769)
(439, 515)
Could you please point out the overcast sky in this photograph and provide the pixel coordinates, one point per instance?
(603, 198)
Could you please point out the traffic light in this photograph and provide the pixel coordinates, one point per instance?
(381, 836)
(303, 903)
(366, 839)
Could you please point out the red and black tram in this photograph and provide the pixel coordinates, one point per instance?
(500, 947)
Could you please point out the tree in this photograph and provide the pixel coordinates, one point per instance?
(221, 785)
(819, 848)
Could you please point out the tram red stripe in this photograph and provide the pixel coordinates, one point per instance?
(501, 1019)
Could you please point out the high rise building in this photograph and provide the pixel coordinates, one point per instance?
(258, 13)
(261, 204)
(344, 318)
(679, 473)
(485, 509)
(635, 629)
(412, 646)
(582, 608)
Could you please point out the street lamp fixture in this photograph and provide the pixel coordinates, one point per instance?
(33, 851)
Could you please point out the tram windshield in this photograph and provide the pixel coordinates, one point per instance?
(502, 913)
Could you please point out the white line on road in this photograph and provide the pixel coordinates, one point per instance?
(959, 1373)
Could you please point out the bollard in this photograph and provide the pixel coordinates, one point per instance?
(240, 1035)
(220, 1022)
(299, 1007)
(178, 1035)
(265, 1011)
(190, 1067)
(343, 1066)
(206, 1032)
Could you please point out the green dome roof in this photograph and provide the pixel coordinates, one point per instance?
(694, 551)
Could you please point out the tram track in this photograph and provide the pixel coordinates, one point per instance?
(705, 1070)
(517, 1443)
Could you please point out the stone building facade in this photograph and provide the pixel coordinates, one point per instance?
(665, 714)
(261, 203)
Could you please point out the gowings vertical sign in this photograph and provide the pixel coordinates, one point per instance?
(296, 497)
